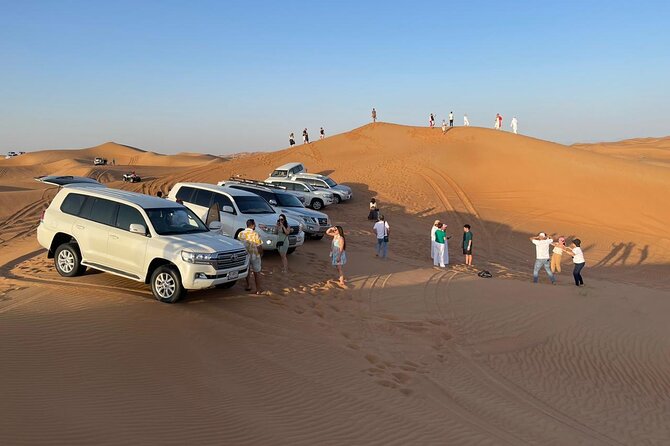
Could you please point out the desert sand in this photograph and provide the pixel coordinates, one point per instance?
(408, 354)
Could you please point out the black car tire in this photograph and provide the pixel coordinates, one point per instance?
(337, 199)
(67, 260)
(317, 204)
(166, 284)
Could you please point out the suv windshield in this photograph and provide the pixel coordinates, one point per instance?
(330, 182)
(175, 221)
(288, 201)
(279, 173)
(253, 205)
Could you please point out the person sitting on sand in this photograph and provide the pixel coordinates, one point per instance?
(432, 238)
(374, 210)
(338, 253)
(542, 244)
(557, 255)
(575, 250)
(254, 246)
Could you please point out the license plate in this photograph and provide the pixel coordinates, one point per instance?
(233, 275)
(292, 239)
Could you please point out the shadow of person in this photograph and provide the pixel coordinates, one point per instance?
(627, 250)
(644, 253)
(616, 248)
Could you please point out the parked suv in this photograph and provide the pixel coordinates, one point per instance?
(100, 161)
(288, 170)
(235, 208)
(139, 237)
(315, 223)
(340, 191)
(313, 197)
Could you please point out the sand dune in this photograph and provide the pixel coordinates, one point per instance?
(647, 150)
(407, 355)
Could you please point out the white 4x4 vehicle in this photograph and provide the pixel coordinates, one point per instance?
(235, 208)
(315, 198)
(340, 191)
(143, 238)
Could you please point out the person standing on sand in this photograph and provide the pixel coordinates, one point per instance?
(374, 115)
(283, 231)
(254, 246)
(432, 238)
(374, 210)
(451, 119)
(557, 255)
(444, 127)
(305, 137)
(381, 229)
(467, 244)
(500, 121)
(431, 121)
(514, 125)
(159, 194)
(575, 250)
(322, 133)
(440, 245)
(291, 139)
(466, 121)
(542, 244)
(496, 123)
(338, 253)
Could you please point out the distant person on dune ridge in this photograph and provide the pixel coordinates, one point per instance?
(557, 255)
(381, 229)
(440, 245)
(466, 121)
(431, 121)
(432, 238)
(542, 244)
(500, 120)
(514, 125)
(159, 194)
(467, 244)
(451, 119)
(291, 139)
(322, 133)
(305, 137)
(575, 250)
(444, 126)
(338, 253)
(374, 115)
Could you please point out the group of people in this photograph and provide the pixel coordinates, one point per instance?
(439, 244)
(305, 136)
(498, 123)
(542, 257)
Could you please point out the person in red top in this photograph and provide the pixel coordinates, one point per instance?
(499, 121)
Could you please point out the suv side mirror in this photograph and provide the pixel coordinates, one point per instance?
(215, 226)
(136, 228)
(228, 209)
(273, 202)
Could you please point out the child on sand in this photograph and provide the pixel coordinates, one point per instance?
(557, 255)
(467, 244)
(444, 126)
(338, 254)
(575, 250)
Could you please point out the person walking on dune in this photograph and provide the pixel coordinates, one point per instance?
(440, 245)
(467, 244)
(444, 126)
(514, 125)
(496, 123)
(432, 237)
(374, 115)
(431, 121)
(542, 244)
(291, 139)
(451, 119)
(466, 121)
(575, 250)
(500, 120)
(322, 133)
(305, 137)
(557, 255)
(381, 229)
(338, 253)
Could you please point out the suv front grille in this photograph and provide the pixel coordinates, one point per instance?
(231, 259)
(295, 230)
(323, 222)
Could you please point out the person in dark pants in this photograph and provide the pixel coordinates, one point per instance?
(577, 254)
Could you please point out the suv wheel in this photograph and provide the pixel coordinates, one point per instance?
(166, 284)
(337, 199)
(317, 204)
(67, 260)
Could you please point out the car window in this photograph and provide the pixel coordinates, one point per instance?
(202, 197)
(174, 221)
(128, 216)
(253, 205)
(222, 200)
(104, 211)
(279, 173)
(72, 204)
(288, 200)
(330, 182)
(185, 194)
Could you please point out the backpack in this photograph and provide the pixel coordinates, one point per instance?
(485, 274)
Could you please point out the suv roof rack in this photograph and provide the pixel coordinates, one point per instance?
(257, 183)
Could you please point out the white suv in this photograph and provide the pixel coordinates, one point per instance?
(340, 191)
(143, 238)
(315, 198)
(235, 208)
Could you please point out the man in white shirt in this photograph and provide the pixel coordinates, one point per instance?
(466, 121)
(451, 119)
(514, 125)
(432, 238)
(577, 254)
(381, 229)
(542, 244)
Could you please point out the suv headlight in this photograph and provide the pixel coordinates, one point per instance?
(268, 229)
(302, 227)
(198, 257)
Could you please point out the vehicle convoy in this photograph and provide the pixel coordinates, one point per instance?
(131, 177)
(315, 223)
(340, 191)
(288, 170)
(100, 161)
(235, 208)
(139, 237)
(315, 198)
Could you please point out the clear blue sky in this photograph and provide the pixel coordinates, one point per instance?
(224, 76)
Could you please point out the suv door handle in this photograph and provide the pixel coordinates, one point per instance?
(80, 226)
(113, 237)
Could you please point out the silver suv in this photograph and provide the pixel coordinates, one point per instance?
(315, 198)
(340, 191)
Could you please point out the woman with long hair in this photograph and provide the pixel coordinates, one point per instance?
(283, 231)
(338, 253)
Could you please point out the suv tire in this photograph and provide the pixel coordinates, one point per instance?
(317, 204)
(166, 284)
(67, 260)
(337, 199)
